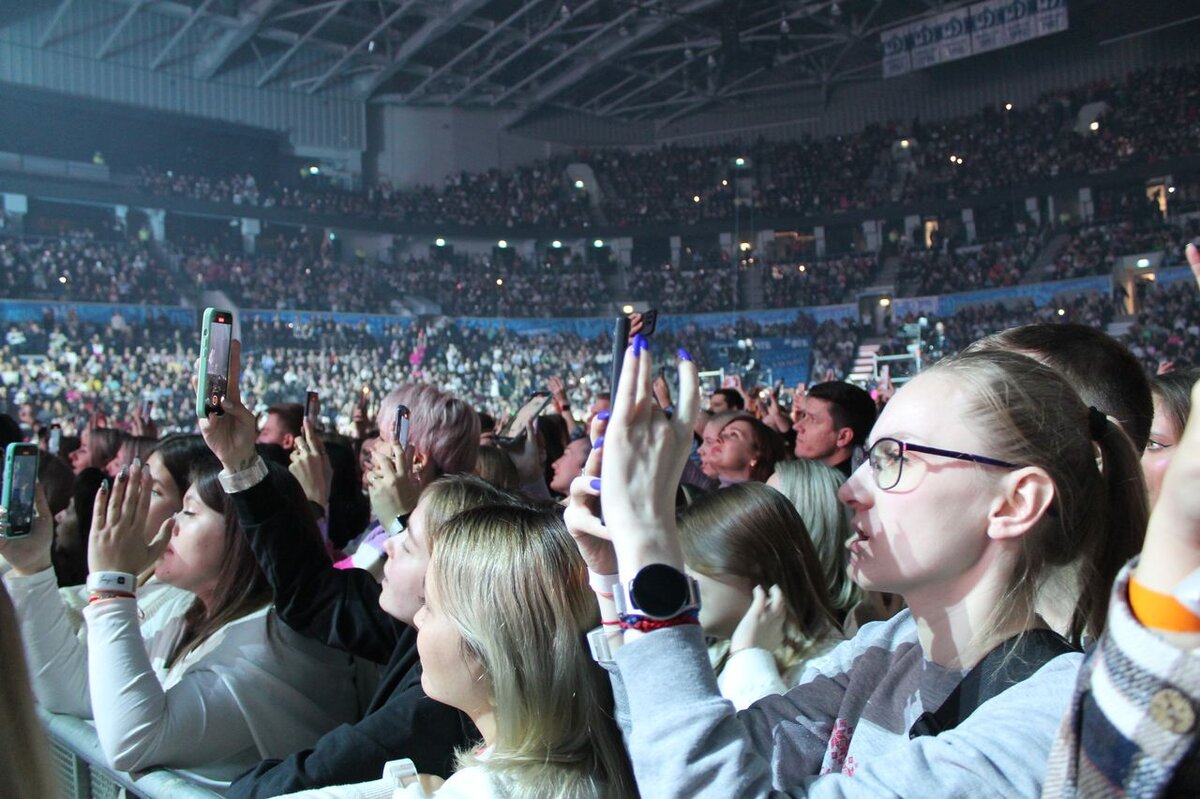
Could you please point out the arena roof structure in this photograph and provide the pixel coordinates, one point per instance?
(657, 60)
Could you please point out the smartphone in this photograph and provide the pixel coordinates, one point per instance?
(649, 322)
(400, 427)
(620, 342)
(312, 408)
(147, 407)
(514, 429)
(20, 479)
(364, 400)
(55, 444)
(215, 339)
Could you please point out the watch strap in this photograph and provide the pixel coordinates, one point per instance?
(252, 475)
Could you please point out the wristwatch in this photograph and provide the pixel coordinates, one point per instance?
(657, 592)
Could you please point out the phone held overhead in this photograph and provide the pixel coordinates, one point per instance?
(216, 338)
(20, 480)
(513, 432)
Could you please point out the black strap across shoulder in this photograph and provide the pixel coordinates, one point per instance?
(1015, 660)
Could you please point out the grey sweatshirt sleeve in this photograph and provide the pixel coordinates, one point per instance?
(686, 741)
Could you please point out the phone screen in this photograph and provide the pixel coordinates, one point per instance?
(312, 408)
(514, 429)
(400, 427)
(216, 365)
(20, 478)
(55, 444)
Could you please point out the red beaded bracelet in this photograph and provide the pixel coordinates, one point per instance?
(100, 597)
(642, 624)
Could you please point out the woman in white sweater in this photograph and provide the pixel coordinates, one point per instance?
(215, 689)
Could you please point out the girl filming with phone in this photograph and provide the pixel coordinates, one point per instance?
(981, 473)
(215, 689)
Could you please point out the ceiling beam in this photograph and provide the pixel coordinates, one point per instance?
(210, 61)
(475, 45)
(435, 27)
(647, 28)
(179, 34)
(129, 14)
(682, 65)
(57, 18)
(273, 70)
(399, 11)
(542, 35)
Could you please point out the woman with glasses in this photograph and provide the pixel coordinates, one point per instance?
(982, 473)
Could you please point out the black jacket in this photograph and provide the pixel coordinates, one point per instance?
(341, 608)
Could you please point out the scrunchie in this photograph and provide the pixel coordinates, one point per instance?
(1097, 423)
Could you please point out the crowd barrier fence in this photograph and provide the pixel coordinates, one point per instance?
(80, 769)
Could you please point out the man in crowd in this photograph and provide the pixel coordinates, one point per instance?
(831, 420)
(283, 426)
(726, 399)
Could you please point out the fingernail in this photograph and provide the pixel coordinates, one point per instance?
(594, 483)
(137, 463)
(103, 485)
(603, 415)
(121, 475)
(640, 344)
(684, 355)
(598, 443)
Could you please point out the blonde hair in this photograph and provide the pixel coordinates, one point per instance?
(750, 530)
(25, 770)
(444, 427)
(555, 734)
(1028, 414)
(812, 488)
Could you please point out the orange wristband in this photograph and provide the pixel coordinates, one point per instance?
(1161, 611)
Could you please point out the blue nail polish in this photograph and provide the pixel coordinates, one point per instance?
(640, 344)
(603, 415)
(595, 483)
(684, 355)
(598, 443)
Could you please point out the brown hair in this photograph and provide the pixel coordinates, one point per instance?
(1174, 391)
(496, 467)
(1032, 416)
(768, 446)
(242, 588)
(750, 530)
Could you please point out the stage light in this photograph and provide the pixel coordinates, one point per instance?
(579, 184)
(598, 243)
(499, 281)
(62, 279)
(1062, 311)
(954, 159)
(439, 241)
(314, 170)
(502, 244)
(801, 268)
(1095, 125)
(904, 144)
(1143, 263)
(739, 161)
(744, 246)
(695, 198)
(1170, 190)
(884, 302)
(724, 182)
(1008, 106)
(626, 309)
(556, 244)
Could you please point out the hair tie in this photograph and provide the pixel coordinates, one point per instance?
(1097, 423)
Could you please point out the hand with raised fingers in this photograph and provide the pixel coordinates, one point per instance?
(393, 485)
(231, 435)
(1193, 258)
(31, 554)
(582, 514)
(762, 626)
(644, 456)
(118, 538)
(310, 465)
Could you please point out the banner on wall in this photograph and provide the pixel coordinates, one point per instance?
(970, 30)
(95, 312)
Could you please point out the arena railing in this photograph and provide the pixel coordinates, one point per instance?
(80, 769)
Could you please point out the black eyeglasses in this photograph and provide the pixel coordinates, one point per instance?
(886, 457)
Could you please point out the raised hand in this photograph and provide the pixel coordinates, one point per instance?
(231, 435)
(762, 626)
(644, 456)
(392, 485)
(311, 467)
(31, 554)
(582, 514)
(118, 539)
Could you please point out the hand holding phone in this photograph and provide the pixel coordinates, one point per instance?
(20, 482)
(400, 427)
(55, 444)
(312, 408)
(212, 385)
(515, 429)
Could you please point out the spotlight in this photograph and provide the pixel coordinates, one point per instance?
(1095, 125)
(739, 161)
(314, 170)
(904, 144)
(1008, 106)
(884, 302)
(439, 241)
(502, 244)
(579, 184)
(1062, 311)
(598, 243)
(801, 268)
(696, 197)
(1143, 263)
(1170, 190)
(626, 309)
(556, 244)
(499, 281)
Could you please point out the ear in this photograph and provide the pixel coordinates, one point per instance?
(845, 437)
(1025, 498)
(419, 462)
(289, 441)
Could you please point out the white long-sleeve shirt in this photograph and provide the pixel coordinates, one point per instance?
(255, 689)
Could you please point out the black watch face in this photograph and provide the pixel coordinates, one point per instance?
(659, 591)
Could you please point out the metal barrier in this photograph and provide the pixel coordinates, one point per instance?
(79, 766)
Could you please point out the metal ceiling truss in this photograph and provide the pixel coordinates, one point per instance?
(655, 60)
